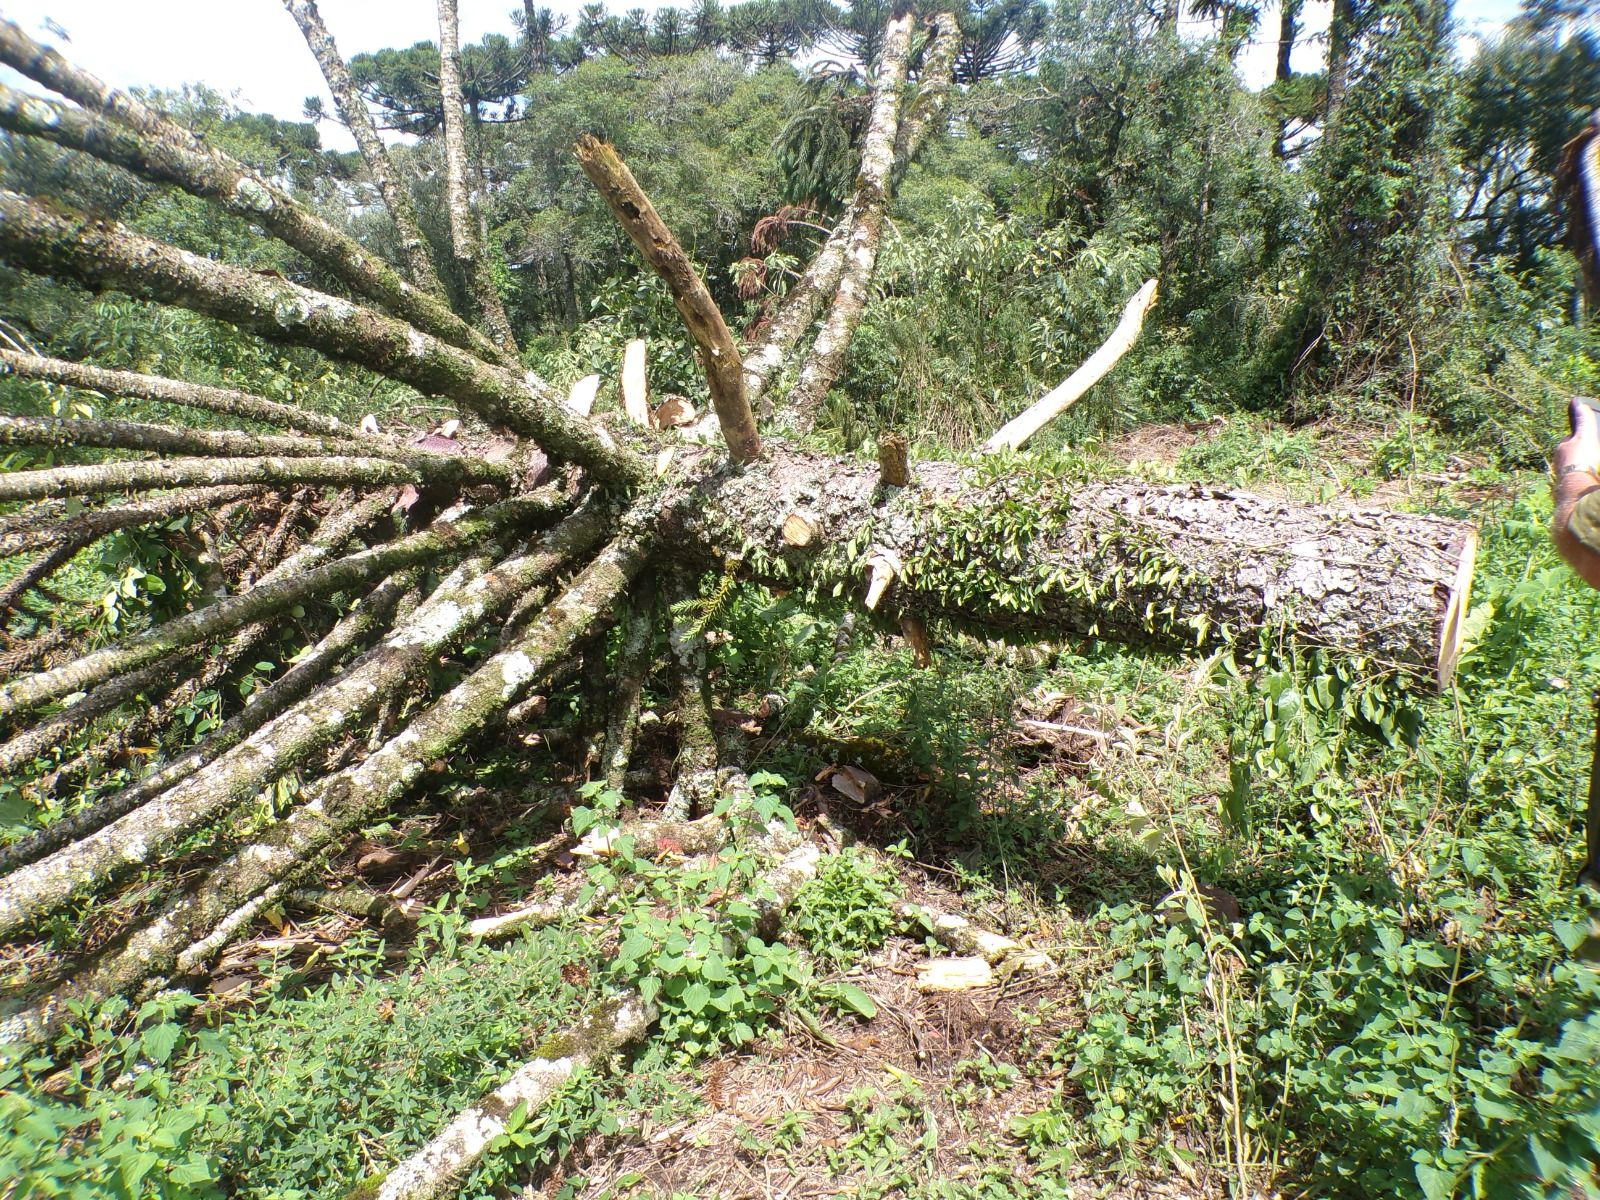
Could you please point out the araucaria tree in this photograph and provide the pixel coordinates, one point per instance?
(522, 536)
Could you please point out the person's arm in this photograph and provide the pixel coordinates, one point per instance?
(1576, 470)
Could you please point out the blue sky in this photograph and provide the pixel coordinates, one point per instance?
(251, 50)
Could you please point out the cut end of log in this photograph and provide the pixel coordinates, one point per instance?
(798, 530)
(1455, 611)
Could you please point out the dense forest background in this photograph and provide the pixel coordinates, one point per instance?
(1365, 295)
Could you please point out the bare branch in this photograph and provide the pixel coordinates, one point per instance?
(825, 363)
(336, 804)
(100, 254)
(429, 466)
(719, 356)
(170, 391)
(464, 598)
(39, 570)
(444, 539)
(162, 151)
(43, 525)
(145, 475)
(933, 91)
(353, 111)
(36, 739)
(307, 672)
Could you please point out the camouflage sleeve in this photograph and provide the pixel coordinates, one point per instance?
(1585, 520)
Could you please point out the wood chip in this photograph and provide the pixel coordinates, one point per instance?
(954, 975)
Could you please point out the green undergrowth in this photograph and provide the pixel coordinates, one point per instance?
(1401, 1005)
(310, 1088)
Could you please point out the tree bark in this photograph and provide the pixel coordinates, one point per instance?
(825, 363)
(633, 664)
(469, 251)
(933, 91)
(460, 603)
(149, 474)
(1166, 565)
(308, 671)
(38, 738)
(36, 572)
(106, 255)
(435, 1169)
(170, 391)
(353, 111)
(429, 466)
(1288, 33)
(719, 356)
(162, 151)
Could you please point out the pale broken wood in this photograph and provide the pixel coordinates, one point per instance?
(581, 398)
(635, 386)
(885, 565)
(959, 934)
(954, 975)
(1016, 432)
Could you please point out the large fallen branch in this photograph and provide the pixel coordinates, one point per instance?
(353, 111)
(457, 1148)
(462, 599)
(333, 806)
(170, 391)
(1165, 565)
(305, 583)
(719, 356)
(142, 141)
(1015, 432)
(425, 466)
(46, 525)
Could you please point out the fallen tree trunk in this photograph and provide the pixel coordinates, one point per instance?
(1167, 565)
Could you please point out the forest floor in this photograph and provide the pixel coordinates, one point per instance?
(1297, 918)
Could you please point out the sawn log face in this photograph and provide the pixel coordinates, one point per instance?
(1168, 565)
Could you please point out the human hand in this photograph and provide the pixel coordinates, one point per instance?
(1580, 450)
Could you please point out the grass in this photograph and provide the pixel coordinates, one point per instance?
(1317, 934)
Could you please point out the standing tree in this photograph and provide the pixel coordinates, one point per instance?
(517, 544)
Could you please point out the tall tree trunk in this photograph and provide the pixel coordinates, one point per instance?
(1288, 33)
(353, 111)
(1341, 44)
(825, 364)
(471, 256)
